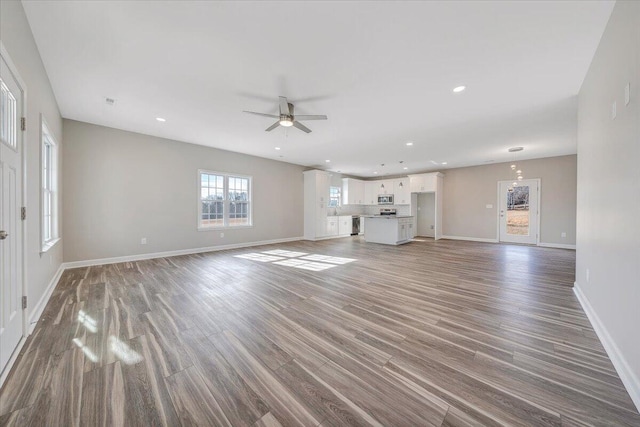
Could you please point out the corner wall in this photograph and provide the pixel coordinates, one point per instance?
(468, 190)
(608, 227)
(17, 38)
(122, 186)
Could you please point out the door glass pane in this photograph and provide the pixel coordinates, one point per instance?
(518, 210)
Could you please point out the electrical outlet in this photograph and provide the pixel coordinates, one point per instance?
(489, 206)
(221, 234)
(143, 241)
(587, 275)
(563, 234)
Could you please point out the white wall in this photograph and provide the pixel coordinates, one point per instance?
(468, 190)
(608, 221)
(122, 186)
(17, 39)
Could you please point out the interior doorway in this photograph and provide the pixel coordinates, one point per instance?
(426, 214)
(11, 233)
(519, 211)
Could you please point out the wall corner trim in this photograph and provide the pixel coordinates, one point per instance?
(557, 246)
(630, 381)
(470, 239)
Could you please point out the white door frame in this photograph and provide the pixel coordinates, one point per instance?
(538, 233)
(23, 151)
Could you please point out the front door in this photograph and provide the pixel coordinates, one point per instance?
(11, 319)
(519, 211)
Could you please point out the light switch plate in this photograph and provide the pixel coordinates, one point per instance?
(614, 113)
(627, 94)
(489, 206)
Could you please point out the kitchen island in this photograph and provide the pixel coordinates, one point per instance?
(388, 229)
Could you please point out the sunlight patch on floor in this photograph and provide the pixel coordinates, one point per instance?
(302, 260)
(260, 257)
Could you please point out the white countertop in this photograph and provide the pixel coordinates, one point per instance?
(388, 216)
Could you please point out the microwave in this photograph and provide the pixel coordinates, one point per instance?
(385, 199)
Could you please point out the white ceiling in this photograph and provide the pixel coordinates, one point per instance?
(382, 71)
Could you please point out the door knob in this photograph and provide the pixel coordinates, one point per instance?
(3, 234)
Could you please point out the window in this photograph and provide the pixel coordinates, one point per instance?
(224, 200)
(49, 199)
(334, 197)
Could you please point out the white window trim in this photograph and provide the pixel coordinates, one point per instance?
(226, 201)
(55, 223)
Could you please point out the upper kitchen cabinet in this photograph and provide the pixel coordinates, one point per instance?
(371, 189)
(401, 191)
(425, 182)
(385, 186)
(353, 192)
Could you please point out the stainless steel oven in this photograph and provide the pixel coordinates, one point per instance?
(385, 199)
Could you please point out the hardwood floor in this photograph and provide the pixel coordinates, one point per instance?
(444, 333)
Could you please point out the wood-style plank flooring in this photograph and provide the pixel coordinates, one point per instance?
(338, 332)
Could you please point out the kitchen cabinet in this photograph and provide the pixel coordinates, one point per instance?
(405, 228)
(388, 230)
(353, 192)
(316, 197)
(371, 192)
(345, 225)
(385, 186)
(331, 226)
(423, 183)
(401, 191)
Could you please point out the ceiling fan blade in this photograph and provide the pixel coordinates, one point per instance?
(262, 114)
(310, 117)
(284, 106)
(273, 126)
(301, 127)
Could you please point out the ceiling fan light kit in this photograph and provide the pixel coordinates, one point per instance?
(287, 118)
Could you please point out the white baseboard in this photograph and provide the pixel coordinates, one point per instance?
(629, 379)
(470, 239)
(140, 257)
(37, 310)
(557, 245)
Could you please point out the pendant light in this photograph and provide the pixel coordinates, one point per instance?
(514, 167)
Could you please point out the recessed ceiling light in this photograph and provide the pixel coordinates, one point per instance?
(375, 172)
(160, 119)
(405, 168)
(328, 161)
(459, 89)
(444, 163)
(409, 143)
(277, 148)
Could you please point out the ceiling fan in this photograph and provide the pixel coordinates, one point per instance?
(287, 118)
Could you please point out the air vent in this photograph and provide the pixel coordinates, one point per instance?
(110, 101)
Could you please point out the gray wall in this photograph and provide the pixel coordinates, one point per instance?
(123, 186)
(609, 189)
(467, 191)
(16, 37)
